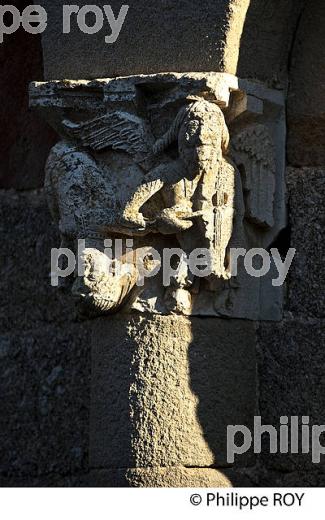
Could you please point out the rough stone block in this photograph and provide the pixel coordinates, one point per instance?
(166, 388)
(155, 37)
(306, 192)
(159, 477)
(291, 383)
(45, 355)
(45, 393)
(27, 236)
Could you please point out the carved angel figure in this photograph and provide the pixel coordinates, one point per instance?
(103, 175)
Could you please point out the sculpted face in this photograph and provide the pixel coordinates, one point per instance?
(201, 138)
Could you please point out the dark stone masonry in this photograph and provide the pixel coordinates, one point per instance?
(142, 399)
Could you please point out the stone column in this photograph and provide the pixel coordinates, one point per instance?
(187, 160)
(164, 390)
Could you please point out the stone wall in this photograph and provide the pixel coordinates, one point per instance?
(45, 350)
(25, 140)
(45, 354)
(291, 353)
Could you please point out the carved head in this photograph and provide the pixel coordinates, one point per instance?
(203, 137)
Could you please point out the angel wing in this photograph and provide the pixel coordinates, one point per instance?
(253, 152)
(117, 130)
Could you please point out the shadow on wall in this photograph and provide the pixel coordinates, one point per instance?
(306, 112)
(266, 40)
(25, 140)
(222, 369)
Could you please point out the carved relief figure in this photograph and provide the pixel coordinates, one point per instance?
(102, 178)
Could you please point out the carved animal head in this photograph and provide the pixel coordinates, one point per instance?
(101, 290)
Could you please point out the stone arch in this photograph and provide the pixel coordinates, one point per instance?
(266, 40)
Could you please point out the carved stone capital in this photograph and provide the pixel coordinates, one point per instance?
(190, 161)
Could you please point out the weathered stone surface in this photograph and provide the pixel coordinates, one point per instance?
(159, 477)
(291, 362)
(164, 390)
(142, 477)
(155, 37)
(45, 393)
(266, 39)
(314, 477)
(306, 280)
(27, 235)
(291, 353)
(45, 355)
(25, 139)
(306, 113)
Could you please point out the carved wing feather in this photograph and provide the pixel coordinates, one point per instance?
(118, 130)
(253, 152)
